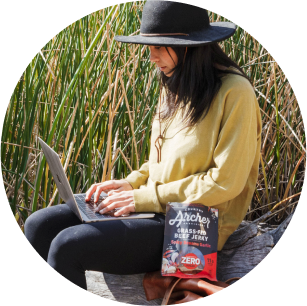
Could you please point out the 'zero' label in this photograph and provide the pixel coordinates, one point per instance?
(190, 261)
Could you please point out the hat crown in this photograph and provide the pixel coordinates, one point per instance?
(161, 17)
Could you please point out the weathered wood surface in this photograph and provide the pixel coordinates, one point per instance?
(243, 251)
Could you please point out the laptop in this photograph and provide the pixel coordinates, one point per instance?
(85, 211)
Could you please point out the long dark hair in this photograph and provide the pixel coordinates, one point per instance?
(195, 81)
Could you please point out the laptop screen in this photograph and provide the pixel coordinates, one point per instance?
(59, 177)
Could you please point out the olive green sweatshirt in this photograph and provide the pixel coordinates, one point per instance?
(215, 163)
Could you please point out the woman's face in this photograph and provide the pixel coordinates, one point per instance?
(166, 61)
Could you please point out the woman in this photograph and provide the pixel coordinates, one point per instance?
(205, 148)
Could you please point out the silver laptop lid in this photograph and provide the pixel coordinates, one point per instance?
(59, 177)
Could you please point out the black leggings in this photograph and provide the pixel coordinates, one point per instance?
(116, 247)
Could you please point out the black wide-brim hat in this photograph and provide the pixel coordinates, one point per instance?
(167, 23)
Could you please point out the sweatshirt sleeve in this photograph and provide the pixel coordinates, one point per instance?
(233, 158)
(138, 177)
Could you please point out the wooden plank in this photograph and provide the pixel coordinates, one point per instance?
(278, 232)
(237, 262)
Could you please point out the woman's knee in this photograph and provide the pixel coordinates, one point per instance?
(34, 223)
(65, 248)
(50, 220)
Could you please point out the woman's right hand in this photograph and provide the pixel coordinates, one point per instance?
(118, 185)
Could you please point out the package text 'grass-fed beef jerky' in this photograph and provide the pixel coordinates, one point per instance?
(190, 241)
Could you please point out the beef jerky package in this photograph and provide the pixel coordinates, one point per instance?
(190, 241)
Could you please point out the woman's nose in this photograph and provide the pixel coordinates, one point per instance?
(153, 55)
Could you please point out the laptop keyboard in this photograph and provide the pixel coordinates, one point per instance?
(88, 208)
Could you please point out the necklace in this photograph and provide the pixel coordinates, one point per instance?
(158, 145)
(161, 135)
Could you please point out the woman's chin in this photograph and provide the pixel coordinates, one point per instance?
(168, 74)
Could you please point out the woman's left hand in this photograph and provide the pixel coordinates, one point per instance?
(117, 199)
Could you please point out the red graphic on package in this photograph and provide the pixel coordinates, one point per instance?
(190, 241)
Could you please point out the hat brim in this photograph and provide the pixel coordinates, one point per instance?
(216, 32)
